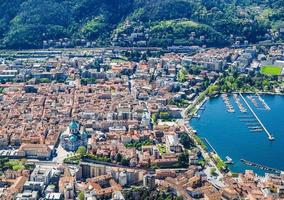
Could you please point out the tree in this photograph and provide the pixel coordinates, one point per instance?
(181, 76)
(183, 159)
(154, 118)
(81, 196)
(213, 171)
(118, 157)
(212, 89)
(125, 162)
(186, 141)
(82, 150)
(164, 115)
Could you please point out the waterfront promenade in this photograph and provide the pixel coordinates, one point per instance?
(217, 180)
(270, 137)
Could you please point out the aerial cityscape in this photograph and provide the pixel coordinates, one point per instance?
(141, 100)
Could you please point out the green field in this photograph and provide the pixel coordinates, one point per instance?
(162, 148)
(271, 70)
(118, 60)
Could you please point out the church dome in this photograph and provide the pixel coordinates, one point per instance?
(73, 125)
(73, 138)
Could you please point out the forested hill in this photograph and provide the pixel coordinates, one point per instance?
(27, 23)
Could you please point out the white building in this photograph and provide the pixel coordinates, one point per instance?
(172, 143)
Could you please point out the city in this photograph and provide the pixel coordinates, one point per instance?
(114, 123)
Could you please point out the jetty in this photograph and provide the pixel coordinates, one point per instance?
(238, 102)
(248, 120)
(245, 117)
(263, 167)
(229, 106)
(254, 127)
(210, 146)
(256, 130)
(263, 102)
(252, 99)
(252, 124)
(270, 137)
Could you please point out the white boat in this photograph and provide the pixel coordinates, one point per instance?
(229, 160)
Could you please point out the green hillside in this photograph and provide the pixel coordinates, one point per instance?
(27, 23)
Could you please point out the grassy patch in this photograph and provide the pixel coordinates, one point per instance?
(199, 141)
(162, 148)
(138, 144)
(118, 60)
(271, 70)
(96, 157)
(15, 164)
(73, 159)
(220, 163)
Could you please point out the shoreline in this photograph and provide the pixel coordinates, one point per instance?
(260, 174)
(262, 93)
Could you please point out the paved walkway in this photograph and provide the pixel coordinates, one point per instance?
(61, 154)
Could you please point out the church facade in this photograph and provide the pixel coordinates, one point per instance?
(73, 137)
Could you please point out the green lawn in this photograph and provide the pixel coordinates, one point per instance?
(15, 164)
(271, 70)
(162, 148)
(118, 60)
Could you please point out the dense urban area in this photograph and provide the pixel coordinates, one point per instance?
(97, 97)
(112, 123)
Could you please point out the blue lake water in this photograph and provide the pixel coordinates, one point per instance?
(231, 137)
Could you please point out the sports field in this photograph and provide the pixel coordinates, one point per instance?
(271, 70)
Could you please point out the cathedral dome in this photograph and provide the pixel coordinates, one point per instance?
(73, 125)
(73, 138)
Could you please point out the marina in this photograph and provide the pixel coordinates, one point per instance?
(228, 104)
(266, 107)
(253, 100)
(240, 135)
(240, 105)
(270, 136)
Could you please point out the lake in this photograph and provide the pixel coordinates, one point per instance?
(230, 135)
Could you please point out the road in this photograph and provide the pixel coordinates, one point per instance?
(216, 180)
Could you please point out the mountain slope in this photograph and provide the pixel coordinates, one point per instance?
(26, 23)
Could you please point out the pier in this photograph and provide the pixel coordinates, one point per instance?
(210, 146)
(252, 99)
(263, 167)
(270, 137)
(238, 102)
(227, 103)
(266, 107)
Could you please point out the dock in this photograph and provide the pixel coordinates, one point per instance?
(245, 117)
(238, 102)
(210, 146)
(270, 137)
(247, 120)
(252, 99)
(266, 107)
(263, 167)
(230, 107)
